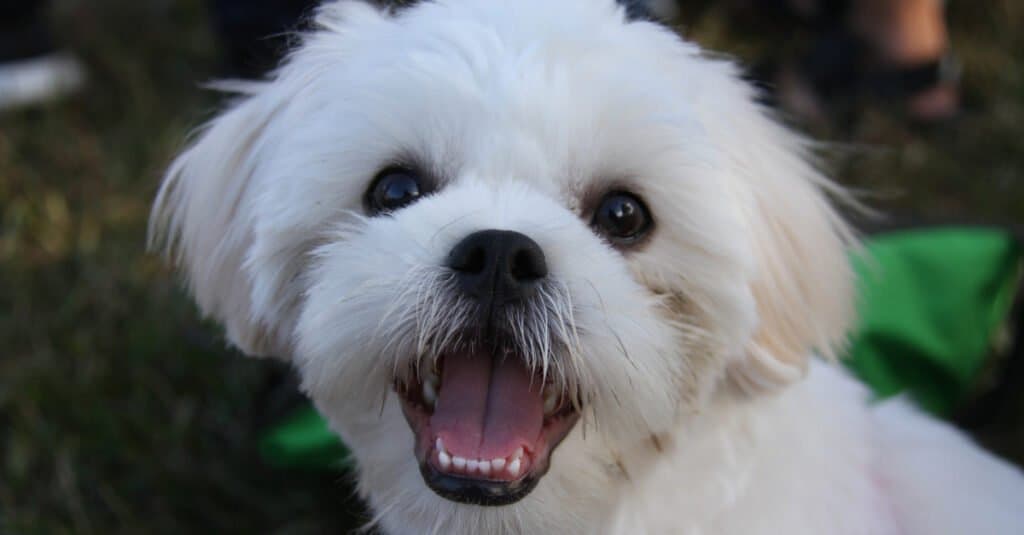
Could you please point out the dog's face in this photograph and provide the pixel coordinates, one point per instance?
(504, 244)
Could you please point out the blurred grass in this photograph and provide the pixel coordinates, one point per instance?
(120, 411)
(117, 413)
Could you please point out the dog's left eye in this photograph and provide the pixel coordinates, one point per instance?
(622, 218)
(394, 188)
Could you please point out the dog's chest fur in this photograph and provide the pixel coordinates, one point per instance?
(740, 468)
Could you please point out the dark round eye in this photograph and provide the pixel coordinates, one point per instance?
(394, 188)
(621, 217)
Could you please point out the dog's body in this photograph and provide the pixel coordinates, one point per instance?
(816, 459)
(483, 230)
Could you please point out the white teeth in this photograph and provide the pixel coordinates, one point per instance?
(550, 400)
(513, 463)
(430, 389)
(443, 458)
(513, 467)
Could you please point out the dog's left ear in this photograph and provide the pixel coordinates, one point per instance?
(203, 218)
(803, 288)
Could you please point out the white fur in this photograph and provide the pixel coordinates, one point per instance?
(689, 352)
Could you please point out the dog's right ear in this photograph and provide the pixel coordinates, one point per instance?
(206, 216)
(203, 217)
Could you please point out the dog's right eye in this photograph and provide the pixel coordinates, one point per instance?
(622, 218)
(394, 188)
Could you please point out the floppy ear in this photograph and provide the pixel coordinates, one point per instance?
(803, 287)
(203, 219)
(215, 214)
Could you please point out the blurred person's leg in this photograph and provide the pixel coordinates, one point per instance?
(31, 69)
(894, 52)
(911, 35)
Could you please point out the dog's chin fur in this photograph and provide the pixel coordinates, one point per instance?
(687, 351)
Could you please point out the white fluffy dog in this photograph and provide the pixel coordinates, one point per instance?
(547, 268)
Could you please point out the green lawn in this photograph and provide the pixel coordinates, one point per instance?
(121, 411)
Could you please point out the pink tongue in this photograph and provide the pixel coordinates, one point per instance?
(486, 408)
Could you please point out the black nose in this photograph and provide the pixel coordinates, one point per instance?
(500, 266)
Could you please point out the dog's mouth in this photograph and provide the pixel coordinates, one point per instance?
(485, 425)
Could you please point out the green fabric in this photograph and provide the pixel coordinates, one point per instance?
(303, 440)
(931, 303)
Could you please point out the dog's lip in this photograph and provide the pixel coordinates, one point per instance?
(474, 491)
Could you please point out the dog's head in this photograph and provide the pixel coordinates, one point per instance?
(504, 244)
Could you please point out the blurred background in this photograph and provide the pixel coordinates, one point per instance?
(122, 411)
